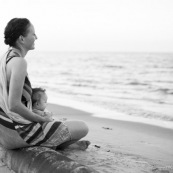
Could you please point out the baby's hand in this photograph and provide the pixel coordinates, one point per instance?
(49, 114)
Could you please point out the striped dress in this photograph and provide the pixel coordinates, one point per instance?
(48, 134)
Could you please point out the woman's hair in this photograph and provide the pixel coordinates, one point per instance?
(36, 94)
(14, 29)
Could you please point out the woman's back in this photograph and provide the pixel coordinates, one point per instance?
(15, 63)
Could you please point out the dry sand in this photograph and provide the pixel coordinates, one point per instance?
(119, 146)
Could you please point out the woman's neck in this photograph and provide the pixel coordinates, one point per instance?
(22, 52)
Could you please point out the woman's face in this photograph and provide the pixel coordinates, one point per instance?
(30, 38)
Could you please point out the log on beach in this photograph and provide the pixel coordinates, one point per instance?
(41, 160)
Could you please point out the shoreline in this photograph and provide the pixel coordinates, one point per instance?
(68, 111)
(121, 115)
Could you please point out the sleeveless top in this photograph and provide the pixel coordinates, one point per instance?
(27, 89)
(15, 132)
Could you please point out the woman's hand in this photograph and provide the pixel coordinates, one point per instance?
(47, 119)
(42, 116)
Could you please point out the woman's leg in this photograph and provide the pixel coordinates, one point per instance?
(77, 130)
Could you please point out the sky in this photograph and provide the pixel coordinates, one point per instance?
(95, 25)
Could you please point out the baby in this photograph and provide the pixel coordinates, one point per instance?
(39, 102)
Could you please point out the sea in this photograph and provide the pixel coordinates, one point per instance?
(128, 86)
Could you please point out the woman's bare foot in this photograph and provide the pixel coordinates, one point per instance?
(79, 145)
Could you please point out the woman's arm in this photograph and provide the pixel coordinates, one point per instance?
(17, 70)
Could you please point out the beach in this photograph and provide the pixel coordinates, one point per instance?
(125, 99)
(118, 146)
(121, 146)
(106, 63)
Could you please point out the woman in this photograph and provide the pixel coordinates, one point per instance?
(19, 126)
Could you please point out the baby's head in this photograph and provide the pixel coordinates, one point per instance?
(39, 99)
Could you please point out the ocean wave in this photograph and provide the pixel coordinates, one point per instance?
(165, 91)
(113, 66)
(165, 81)
(84, 85)
(133, 110)
(136, 83)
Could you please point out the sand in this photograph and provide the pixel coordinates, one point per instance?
(119, 146)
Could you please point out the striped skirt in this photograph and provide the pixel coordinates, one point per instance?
(48, 134)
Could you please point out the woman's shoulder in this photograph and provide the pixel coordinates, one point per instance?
(17, 65)
(10, 55)
(18, 62)
(14, 56)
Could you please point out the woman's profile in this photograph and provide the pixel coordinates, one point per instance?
(19, 125)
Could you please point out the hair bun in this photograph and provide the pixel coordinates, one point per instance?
(7, 41)
(15, 27)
